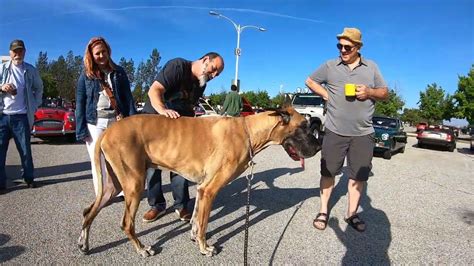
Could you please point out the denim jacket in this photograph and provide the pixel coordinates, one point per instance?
(87, 96)
(33, 86)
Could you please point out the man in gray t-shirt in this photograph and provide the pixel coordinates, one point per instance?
(352, 84)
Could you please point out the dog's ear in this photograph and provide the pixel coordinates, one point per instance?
(285, 116)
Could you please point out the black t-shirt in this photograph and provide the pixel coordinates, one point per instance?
(182, 91)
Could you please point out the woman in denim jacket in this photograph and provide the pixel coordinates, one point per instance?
(103, 95)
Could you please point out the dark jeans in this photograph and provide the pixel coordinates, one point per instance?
(16, 126)
(179, 187)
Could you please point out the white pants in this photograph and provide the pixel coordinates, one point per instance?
(95, 131)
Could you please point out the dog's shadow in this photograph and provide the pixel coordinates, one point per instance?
(264, 203)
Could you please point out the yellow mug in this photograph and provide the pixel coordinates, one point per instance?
(350, 89)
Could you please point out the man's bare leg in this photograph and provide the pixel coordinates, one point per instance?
(326, 185)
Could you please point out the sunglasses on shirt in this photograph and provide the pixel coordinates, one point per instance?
(348, 48)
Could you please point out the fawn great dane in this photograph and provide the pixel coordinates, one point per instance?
(210, 151)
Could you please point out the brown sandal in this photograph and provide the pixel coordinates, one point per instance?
(355, 222)
(319, 220)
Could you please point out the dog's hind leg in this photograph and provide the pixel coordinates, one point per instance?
(89, 215)
(91, 212)
(131, 175)
(132, 200)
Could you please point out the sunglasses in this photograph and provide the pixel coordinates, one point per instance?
(348, 48)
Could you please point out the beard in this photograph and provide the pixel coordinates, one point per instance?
(203, 78)
(17, 61)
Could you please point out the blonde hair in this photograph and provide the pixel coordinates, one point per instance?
(90, 67)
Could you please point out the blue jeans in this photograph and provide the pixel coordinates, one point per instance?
(179, 187)
(16, 126)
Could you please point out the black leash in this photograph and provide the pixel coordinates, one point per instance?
(249, 186)
(247, 212)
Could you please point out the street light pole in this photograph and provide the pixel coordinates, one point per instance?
(239, 29)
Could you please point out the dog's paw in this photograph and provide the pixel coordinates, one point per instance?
(83, 248)
(83, 245)
(146, 251)
(209, 251)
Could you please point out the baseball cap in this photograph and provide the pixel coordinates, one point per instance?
(16, 44)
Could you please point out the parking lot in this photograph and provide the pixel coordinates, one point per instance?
(418, 209)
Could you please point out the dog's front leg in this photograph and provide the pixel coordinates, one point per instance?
(194, 226)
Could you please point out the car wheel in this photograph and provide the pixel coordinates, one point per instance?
(71, 138)
(451, 148)
(402, 149)
(315, 131)
(387, 154)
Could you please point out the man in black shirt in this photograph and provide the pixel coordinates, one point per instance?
(174, 93)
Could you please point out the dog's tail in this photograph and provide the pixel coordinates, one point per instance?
(96, 205)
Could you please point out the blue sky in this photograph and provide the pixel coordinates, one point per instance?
(415, 43)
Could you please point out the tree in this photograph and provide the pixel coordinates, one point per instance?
(433, 104)
(391, 106)
(42, 63)
(74, 68)
(49, 85)
(138, 94)
(412, 116)
(59, 73)
(148, 72)
(464, 97)
(129, 67)
(260, 99)
(279, 100)
(217, 99)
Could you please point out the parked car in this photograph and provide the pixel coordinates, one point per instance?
(440, 136)
(421, 126)
(53, 122)
(454, 129)
(247, 108)
(472, 143)
(203, 108)
(389, 136)
(471, 133)
(313, 107)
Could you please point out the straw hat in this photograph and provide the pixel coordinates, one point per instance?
(352, 34)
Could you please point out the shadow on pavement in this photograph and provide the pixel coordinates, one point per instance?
(15, 170)
(371, 246)
(9, 252)
(231, 198)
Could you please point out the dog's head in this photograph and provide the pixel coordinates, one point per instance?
(296, 137)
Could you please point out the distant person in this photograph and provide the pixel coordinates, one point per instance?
(174, 93)
(352, 85)
(233, 102)
(103, 96)
(21, 93)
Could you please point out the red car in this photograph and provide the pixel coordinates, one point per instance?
(247, 108)
(53, 122)
(421, 126)
(437, 136)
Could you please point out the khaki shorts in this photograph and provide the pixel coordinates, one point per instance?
(358, 150)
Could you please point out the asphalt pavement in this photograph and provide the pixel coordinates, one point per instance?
(418, 209)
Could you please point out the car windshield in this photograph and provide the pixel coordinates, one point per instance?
(308, 100)
(384, 122)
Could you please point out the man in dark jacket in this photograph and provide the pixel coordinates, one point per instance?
(174, 93)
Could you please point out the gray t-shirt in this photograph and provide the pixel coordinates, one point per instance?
(346, 116)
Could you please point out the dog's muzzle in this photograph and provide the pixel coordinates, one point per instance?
(301, 145)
